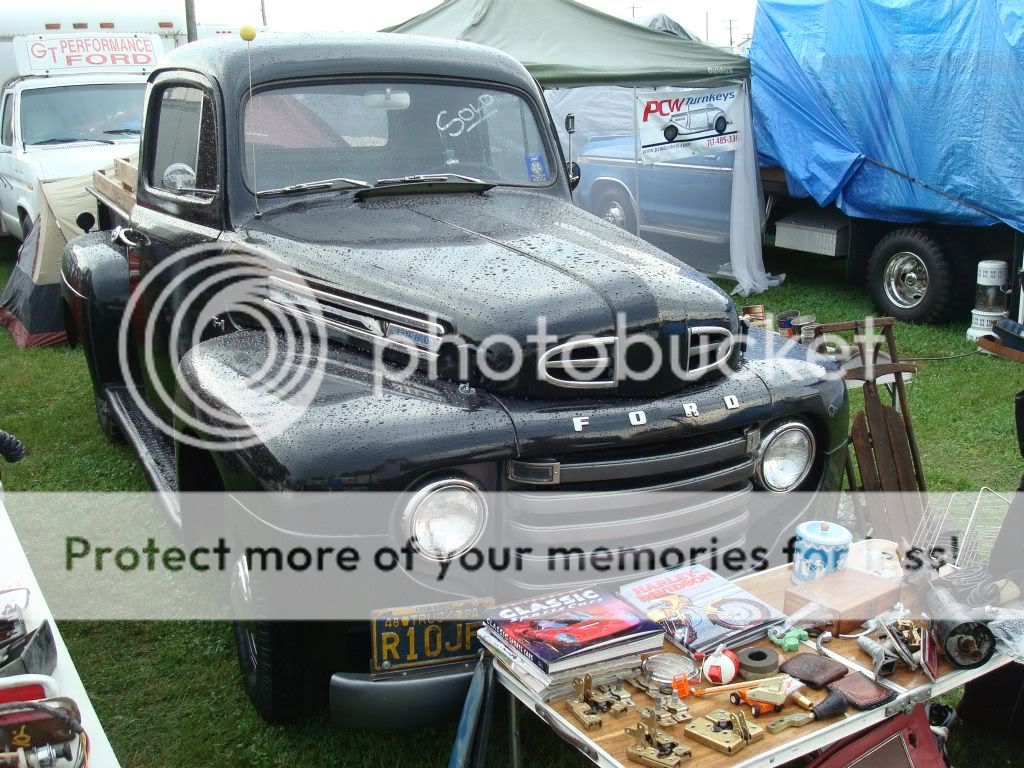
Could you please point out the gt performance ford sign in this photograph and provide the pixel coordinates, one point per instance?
(60, 54)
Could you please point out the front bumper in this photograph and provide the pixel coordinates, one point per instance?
(416, 700)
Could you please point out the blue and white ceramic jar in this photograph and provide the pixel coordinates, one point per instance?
(821, 547)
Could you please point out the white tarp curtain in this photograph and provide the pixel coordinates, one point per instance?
(734, 236)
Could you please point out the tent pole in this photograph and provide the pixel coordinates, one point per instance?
(636, 162)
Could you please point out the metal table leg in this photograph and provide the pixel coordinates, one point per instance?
(514, 747)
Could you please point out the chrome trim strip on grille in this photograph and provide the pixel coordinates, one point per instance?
(546, 362)
(556, 502)
(352, 330)
(372, 309)
(621, 469)
(727, 341)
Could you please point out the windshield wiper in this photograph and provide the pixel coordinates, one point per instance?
(424, 183)
(322, 184)
(428, 178)
(124, 131)
(69, 140)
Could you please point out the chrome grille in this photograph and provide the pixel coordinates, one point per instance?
(316, 301)
(708, 349)
(580, 364)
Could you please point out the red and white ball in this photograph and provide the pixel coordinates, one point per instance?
(721, 667)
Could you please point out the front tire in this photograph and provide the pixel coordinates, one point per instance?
(671, 133)
(615, 207)
(105, 418)
(284, 667)
(911, 278)
(721, 124)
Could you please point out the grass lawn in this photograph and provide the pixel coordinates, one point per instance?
(168, 694)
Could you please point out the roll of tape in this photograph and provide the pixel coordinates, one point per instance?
(757, 662)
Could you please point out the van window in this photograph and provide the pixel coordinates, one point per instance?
(7, 122)
(184, 152)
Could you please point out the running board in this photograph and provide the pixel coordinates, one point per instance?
(154, 448)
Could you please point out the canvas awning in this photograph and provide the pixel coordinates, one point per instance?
(565, 44)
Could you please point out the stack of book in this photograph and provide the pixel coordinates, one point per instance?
(699, 610)
(548, 641)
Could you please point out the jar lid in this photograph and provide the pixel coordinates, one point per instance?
(824, 532)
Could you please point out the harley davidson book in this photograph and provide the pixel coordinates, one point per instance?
(573, 628)
(700, 610)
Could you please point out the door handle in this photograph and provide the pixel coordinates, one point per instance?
(131, 238)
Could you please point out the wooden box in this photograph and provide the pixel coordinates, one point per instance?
(853, 596)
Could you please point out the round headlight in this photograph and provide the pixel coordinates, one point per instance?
(446, 518)
(785, 457)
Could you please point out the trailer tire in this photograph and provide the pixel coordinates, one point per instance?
(615, 207)
(721, 124)
(911, 278)
(671, 133)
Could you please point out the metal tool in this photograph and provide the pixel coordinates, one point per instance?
(653, 747)
(724, 731)
(590, 704)
(796, 720)
(833, 705)
(671, 710)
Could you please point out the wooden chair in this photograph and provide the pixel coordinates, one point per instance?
(882, 435)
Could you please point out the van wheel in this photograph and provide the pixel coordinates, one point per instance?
(721, 124)
(671, 133)
(911, 278)
(108, 425)
(26, 225)
(615, 207)
(283, 670)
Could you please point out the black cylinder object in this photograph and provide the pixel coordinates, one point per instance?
(966, 641)
(831, 706)
(11, 448)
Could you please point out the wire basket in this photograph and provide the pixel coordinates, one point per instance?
(964, 525)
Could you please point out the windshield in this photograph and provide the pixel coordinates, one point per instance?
(106, 112)
(373, 131)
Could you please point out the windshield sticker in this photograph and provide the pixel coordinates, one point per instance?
(536, 167)
(468, 117)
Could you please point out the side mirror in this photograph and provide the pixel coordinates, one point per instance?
(178, 177)
(572, 168)
(570, 123)
(85, 221)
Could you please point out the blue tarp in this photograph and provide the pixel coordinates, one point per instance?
(854, 98)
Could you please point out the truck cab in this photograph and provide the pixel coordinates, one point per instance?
(402, 204)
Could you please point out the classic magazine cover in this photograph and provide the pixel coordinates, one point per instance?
(570, 628)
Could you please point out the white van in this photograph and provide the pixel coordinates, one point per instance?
(74, 80)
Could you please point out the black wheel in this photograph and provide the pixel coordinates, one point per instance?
(108, 426)
(911, 278)
(615, 206)
(282, 663)
(721, 124)
(671, 133)
(26, 225)
(734, 699)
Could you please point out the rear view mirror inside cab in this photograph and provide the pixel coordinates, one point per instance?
(386, 99)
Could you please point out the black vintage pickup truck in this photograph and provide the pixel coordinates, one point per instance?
(408, 197)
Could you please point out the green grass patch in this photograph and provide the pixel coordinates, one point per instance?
(168, 694)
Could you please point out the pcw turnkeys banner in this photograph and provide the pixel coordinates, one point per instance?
(679, 123)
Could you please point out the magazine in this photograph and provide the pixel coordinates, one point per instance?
(700, 610)
(573, 628)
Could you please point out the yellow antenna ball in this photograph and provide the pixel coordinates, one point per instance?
(247, 32)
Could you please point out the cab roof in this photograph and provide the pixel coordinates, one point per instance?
(278, 56)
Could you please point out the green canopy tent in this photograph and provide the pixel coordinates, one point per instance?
(566, 45)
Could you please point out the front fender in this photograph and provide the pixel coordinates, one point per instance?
(94, 276)
(355, 434)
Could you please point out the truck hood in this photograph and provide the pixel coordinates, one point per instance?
(61, 161)
(495, 263)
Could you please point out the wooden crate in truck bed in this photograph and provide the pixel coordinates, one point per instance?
(116, 189)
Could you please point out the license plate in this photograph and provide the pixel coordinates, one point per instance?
(424, 635)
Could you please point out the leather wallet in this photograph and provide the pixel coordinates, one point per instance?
(814, 670)
(862, 692)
